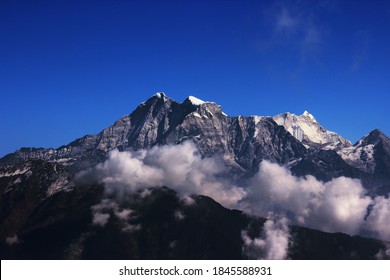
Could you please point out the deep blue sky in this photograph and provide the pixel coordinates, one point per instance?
(70, 68)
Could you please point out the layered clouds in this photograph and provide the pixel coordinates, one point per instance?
(340, 205)
(179, 167)
(337, 205)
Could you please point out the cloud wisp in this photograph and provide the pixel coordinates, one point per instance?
(360, 55)
(273, 243)
(296, 26)
(285, 22)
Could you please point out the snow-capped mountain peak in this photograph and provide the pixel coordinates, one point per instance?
(307, 114)
(195, 101)
(307, 130)
(365, 153)
(160, 95)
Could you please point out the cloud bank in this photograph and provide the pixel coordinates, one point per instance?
(179, 167)
(340, 205)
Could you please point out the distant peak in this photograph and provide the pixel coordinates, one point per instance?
(376, 134)
(374, 137)
(307, 114)
(376, 131)
(160, 95)
(194, 100)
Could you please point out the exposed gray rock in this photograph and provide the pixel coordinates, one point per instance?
(242, 141)
(307, 130)
(299, 142)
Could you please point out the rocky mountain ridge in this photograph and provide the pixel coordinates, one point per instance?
(307, 130)
(242, 141)
(299, 142)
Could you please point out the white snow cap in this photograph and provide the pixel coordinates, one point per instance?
(160, 94)
(307, 114)
(195, 101)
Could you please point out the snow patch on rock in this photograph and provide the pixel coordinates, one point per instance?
(306, 129)
(195, 101)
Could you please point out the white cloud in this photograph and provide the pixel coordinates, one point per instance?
(361, 50)
(337, 205)
(123, 214)
(100, 219)
(298, 27)
(284, 21)
(178, 166)
(12, 240)
(273, 245)
(379, 218)
(188, 201)
(131, 227)
(179, 215)
(101, 213)
(383, 254)
(343, 207)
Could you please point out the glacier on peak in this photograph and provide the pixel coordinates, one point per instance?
(307, 130)
(307, 114)
(362, 154)
(160, 95)
(195, 101)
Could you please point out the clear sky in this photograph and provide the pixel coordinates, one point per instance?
(70, 68)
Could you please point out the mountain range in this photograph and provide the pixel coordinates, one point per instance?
(44, 203)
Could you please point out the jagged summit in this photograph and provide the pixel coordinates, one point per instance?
(307, 114)
(307, 130)
(373, 137)
(190, 99)
(372, 149)
(243, 142)
(195, 101)
(160, 95)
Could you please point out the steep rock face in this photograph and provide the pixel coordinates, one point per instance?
(254, 139)
(371, 154)
(326, 165)
(242, 141)
(207, 126)
(24, 186)
(307, 130)
(146, 126)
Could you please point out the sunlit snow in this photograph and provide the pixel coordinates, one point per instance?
(195, 101)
